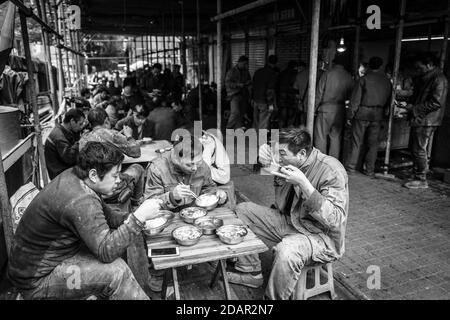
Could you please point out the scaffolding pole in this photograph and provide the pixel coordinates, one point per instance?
(443, 57)
(313, 66)
(357, 39)
(33, 97)
(398, 49)
(59, 55)
(164, 40)
(183, 42)
(219, 67)
(199, 60)
(174, 54)
(148, 52)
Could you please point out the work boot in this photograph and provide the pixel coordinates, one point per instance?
(416, 184)
(248, 279)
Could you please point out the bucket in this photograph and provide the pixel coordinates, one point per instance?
(9, 128)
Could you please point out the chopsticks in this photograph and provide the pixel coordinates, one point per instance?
(192, 193)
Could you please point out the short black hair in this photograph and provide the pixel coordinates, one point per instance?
(296, 139)
(243, 59)
(75, 114)
(339, 59)
(97, 116)
(144, 112)
(85, 91)
(157, 65)
(272, 59)
(99, 156)
(302, 63)
(427, 58)
(375, 63)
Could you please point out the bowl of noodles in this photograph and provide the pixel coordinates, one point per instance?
(187, 235)
(191, 213)
(232, 234)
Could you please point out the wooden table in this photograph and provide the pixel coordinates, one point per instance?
(148, 151)
(208, 249)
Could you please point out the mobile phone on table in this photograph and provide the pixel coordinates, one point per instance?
(163, 252)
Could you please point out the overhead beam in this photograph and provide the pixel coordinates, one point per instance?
(242, 9)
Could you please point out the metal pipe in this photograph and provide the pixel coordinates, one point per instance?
(183, 42)
(46, 44)
(219, 67)
(242, 9)
(199, 60)
(357, 39)
(65, 39)
(148, 52)
(33, 97)
(313, 66)
(398, 49)
(29, 13)
(443, 57)
(174, 54)
(164, 39)
(59, 56)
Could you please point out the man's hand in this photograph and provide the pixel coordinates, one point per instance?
(149, 209)
(127, 131)
(295, 176)
(222, 195)
(265, 155)
(271, 108)
(182, 191)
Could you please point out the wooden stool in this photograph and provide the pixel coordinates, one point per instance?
(302, 293)
(231, 195)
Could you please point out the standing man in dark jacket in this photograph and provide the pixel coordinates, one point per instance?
(237, 82)
(263, 97)
(61, 146)
(286, 95)
(369, 104)
(427, 111)
(335, 86)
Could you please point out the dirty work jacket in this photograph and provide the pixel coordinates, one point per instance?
(325, 212)
(234, 77)
(163, 176)
(335, 86)
(371, 97)
(430, 99)
(61, 150)
(264, 81)
(64, 218)
(128, 146)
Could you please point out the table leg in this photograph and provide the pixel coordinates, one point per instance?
(164, 285)
(226, 285)
(214, 277)
(176, 287)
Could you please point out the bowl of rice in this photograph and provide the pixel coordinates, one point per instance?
(187, 235)
(191, 213)
(159, 223)
(231, 234)
(208, 201)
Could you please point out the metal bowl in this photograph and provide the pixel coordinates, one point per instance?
(231, 234)
(201, 201)
(208, 224)
(147, 140)
(165, 214)
(187, 214)
(177, 234)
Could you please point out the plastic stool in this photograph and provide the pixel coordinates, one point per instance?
(302, 293)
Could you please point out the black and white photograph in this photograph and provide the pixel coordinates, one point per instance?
(223, 154)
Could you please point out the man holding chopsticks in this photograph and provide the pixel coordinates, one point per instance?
(308, 222)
